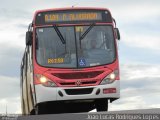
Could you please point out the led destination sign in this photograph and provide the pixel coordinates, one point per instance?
(53, 17)
(72, 17)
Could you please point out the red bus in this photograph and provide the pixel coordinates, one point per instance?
(70, 63)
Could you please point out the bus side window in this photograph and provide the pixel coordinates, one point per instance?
(30, 58)
(24, 65)
(21, 73)
(26, 61)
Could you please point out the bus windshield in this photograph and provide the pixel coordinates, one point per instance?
(96, 48)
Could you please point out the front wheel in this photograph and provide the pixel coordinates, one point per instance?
(101, 105)
(40, 109)
(37, 110)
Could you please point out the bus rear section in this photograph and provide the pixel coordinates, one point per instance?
(71, 61)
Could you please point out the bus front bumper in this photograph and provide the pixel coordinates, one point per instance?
(45, 94)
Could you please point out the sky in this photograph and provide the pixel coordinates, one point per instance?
(139, 48)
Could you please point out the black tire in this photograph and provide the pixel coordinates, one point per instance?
(23, 107)
(31, 97)
(41, 108)
(101, 105)
(37, 110)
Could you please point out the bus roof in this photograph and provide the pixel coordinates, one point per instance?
(71, 8)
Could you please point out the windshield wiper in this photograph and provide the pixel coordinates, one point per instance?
(59, 34)
(87, 31)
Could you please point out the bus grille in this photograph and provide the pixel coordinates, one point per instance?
(83, 83)
(77, 75)
(79, 91)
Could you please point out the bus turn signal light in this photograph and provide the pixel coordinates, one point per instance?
(109, 90)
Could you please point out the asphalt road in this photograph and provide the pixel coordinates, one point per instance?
(147, 114)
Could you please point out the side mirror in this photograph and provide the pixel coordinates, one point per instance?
(29, 37)
(117, 33)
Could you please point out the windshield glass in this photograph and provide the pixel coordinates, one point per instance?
(96, 48)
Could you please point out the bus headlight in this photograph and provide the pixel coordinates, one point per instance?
(110, 78)
(45, 81)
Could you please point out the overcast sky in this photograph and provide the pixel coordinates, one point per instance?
(139, 48)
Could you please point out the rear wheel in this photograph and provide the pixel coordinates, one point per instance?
(101, 105)
(23, 107)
